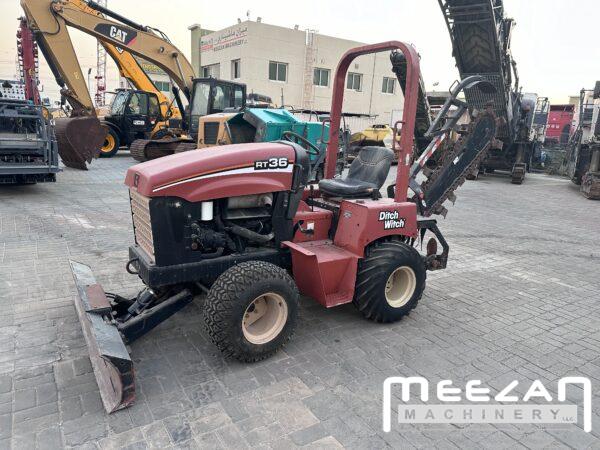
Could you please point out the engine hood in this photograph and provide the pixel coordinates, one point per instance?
(216, 172)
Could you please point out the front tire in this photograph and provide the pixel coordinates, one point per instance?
(111, 144)
(251, 310)
(390, 281)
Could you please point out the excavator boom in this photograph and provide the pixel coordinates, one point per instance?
(130, 69)
(140, 41)
(53, 40)
(80, 137)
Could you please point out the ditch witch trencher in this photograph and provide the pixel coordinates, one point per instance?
(249, 226)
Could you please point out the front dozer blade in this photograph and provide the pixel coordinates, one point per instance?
(79, 140)
(112, 365)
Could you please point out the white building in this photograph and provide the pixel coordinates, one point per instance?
(296, 68)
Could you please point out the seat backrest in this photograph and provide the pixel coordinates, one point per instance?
(372, 165)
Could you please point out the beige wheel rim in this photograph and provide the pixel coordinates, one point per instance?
(400, 286)
(264, 318)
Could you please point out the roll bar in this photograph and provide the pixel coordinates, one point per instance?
(408, 115)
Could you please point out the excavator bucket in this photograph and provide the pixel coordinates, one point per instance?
(111, 362)
(79, 140)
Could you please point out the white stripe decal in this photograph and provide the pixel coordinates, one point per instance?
(288, 169)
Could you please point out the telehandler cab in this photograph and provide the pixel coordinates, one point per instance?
(247, 224)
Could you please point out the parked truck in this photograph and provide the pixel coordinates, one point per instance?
(28, 148)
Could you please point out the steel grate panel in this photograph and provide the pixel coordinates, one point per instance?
(478, 100)
(142, 225)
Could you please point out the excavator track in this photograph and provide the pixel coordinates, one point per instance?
(590, 185)
(147, 149)
(518, 173)
(458, 163)
(138, 149)
(185, 147)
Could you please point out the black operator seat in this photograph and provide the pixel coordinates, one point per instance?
(365, 177)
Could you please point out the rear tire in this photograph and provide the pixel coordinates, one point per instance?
(390, 281)
(111, 144)
(251, 310)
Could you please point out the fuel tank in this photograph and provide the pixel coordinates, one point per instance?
(217, 172)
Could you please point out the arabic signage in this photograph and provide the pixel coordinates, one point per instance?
(232, 37)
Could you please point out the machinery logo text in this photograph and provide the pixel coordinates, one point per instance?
(537, 405)
(121, 34)
(391, 220)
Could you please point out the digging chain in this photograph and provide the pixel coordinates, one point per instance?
(449, 156)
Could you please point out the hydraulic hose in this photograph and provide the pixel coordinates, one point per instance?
(251, 235)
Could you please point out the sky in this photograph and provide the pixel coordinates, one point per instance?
(554, 43)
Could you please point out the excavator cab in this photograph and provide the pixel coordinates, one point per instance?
(210, 96)
(133, 115)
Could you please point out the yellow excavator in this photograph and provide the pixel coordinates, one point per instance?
(117, 131)
(142, 118)
(139, 113)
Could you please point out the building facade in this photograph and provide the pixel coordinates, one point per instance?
(296, 68)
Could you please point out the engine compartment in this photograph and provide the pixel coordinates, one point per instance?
(185, 232)
(230, 225)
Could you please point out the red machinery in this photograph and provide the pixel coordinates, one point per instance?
(28, 61)
(234, 221)
(560, 121)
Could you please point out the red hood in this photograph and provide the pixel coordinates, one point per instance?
(215, 172)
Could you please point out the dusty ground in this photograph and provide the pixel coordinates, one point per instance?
(520, 300)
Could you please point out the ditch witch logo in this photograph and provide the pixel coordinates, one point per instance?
(513, 409)
(391, 220)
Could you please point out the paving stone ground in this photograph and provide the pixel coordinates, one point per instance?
(519, 300)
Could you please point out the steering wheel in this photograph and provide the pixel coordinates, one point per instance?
(295, 137)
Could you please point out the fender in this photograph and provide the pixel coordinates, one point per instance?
(115, 128)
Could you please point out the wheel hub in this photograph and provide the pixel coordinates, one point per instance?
(264, 318)
(400, 286)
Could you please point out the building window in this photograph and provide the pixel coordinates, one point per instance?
(277, 71)
(321, 77)
(235, 69)
(354, 81)
(163, 86)
(213, 70)
(388, 85)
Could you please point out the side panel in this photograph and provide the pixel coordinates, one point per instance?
(324, 271)
(364, 221)
(315, 225)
